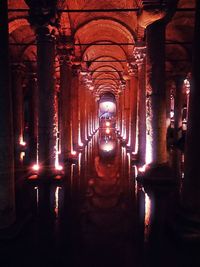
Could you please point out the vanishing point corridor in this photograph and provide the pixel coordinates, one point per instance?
(99, 133)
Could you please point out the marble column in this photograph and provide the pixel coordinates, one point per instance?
(178, 106)
(133, 111)
(18, 105)
(33, 121)
(190, 227)
(47, 108)
(65, 108)
(7, 185)
(74, 106)
(141, 113)
(156, 98)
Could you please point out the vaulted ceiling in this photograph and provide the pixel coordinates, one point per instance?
(104, 41)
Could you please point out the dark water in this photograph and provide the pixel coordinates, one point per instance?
(97, 215)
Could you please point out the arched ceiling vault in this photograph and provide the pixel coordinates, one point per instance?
(91, 32)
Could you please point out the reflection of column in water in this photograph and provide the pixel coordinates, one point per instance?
(129, 169)
(37, 196)
(147, 217)
(21, 157)
(56, 201)
(71, 177)
(135, 174)
(79, 163)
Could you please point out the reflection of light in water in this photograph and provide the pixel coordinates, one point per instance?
(21, 141)
(182, 165)
(135, 175)
(129, 164)
(37, 195)
(21, 156)
(72, 173)
(79, 163)
(56, 207)
(107, 130)
(147, 217)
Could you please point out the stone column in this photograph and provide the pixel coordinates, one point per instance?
(65, 107)
(178, 109)
(156, 99)
(7, 191)
(74, 106)
(142, 112)
(127, 111)
(191, 185)
(82, 112)
(33, 121)
(133, 110)
(18, 108)
(46, 87)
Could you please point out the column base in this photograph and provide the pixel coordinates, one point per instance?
(157, 174)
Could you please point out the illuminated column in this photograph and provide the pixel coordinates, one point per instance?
(133, 109)
(141, 112)
(178, 105)
(87, 113)
(156, 99)
(33, 121)
(127, 112)
(190, 227)
(46, 87)
(18, 105)
(122, 115)
(65, 108)
(74, 105)
(83, 111)
(7, 192)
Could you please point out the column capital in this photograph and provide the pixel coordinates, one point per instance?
(150, 12)
(132, 69)
(139, 53)
(42, 12)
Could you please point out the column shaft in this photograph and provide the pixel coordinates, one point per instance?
(65, 108)
(46, 86)
(141, 113)
(7, 195)
(156, 99)
(191, 185)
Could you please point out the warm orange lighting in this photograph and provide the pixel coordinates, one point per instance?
(73, 152)
(21, 142)
(147, 219)
(56, 208)
(22, 155)
(107, 130)
(143, 168)
(107, 147)
(59, 167)
(107, 123)
(36, 167)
